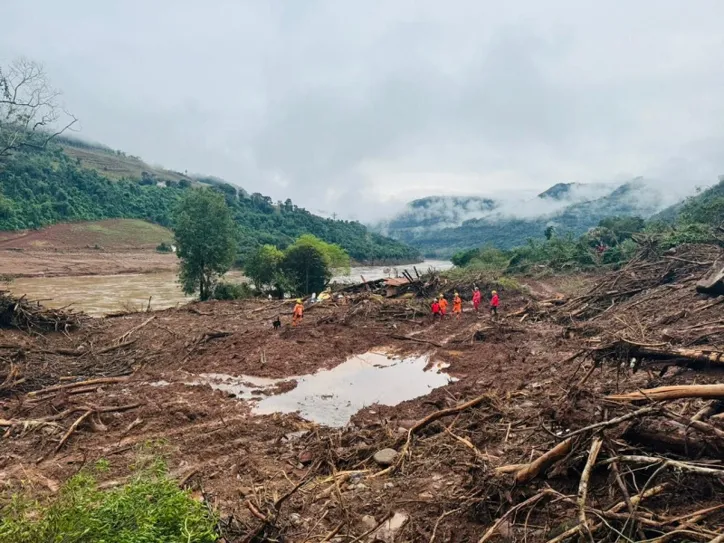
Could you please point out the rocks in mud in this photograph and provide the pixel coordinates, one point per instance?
(385, 457)
(369, 522)
(389, 529)
(306, 457)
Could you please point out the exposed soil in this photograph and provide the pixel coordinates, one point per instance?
(278, 477)
(110, 247)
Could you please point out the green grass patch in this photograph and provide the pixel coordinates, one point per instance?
(150, 508)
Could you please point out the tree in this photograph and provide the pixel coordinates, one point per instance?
(30, 111)
(308, 268)
(263, 266)
(337, 258)
(205, 239)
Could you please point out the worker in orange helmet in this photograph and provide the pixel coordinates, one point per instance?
(457, 305)
(443, 306)
(298, 314)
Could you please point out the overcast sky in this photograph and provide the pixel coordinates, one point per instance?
(354, 106)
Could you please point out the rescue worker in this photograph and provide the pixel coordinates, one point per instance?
(298, 314)
(494, 303)
(477, 297)
(443, 306)
(457, 305)
(435, 310)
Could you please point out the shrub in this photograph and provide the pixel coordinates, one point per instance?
(164, 247)
(232, 291)
(150, 508)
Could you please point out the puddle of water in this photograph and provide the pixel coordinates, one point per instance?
(331, 397)
(245, 387)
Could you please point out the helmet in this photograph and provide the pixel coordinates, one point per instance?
(495, 292)
(441, 296)
(299, 300)
(476, 288)
(456, 294)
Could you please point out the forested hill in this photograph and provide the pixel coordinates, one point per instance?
(440, 226)
(39, 188)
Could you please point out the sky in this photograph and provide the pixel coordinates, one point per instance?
(358, 106)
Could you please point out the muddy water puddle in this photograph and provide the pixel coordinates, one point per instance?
(331, 397)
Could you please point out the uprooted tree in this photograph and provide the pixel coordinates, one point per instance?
(31, 113)
(205, 236)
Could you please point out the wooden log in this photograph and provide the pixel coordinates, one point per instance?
(543, 462)
(675, 392)
(100, 381)
(654, 352)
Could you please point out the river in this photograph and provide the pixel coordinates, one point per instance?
(102, 294)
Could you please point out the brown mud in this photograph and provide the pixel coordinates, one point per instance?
(502, 453)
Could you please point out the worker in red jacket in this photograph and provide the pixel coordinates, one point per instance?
(494, 303)
(477, 297)
(436, 310)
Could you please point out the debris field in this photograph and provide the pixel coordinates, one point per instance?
(595, 414)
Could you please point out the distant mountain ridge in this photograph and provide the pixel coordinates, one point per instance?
(440, 225)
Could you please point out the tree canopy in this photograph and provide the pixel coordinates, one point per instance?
(205, 237)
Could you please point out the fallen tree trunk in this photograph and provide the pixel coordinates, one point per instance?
(675, 392)
(660, 353)
(543, 462)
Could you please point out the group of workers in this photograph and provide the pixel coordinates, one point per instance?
(440, 304)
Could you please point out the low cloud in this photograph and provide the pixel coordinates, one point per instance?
(360, 107)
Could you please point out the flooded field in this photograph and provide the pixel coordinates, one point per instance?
(101, 294)
(331, 397)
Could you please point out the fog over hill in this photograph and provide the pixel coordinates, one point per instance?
(439, 225)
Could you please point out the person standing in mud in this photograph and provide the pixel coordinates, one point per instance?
(443, 307)
(477, 298)
(457, 306)
(435, 310)
(494, 303)
(298, 314)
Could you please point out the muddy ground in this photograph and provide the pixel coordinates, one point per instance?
(538, 373)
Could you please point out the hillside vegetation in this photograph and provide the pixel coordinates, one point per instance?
(40, 188)
(613, 241)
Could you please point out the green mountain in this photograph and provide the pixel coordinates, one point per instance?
(73, 181)
(441, 226)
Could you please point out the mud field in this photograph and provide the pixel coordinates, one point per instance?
(513, 430)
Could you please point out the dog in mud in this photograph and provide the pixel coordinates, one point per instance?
(277, 324)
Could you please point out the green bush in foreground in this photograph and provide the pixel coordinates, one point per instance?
(149, 509)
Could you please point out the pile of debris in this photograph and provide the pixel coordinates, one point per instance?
(31, 316)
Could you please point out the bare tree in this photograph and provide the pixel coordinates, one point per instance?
(30, 110)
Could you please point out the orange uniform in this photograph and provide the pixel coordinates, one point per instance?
(298, 314)
(443, 306)
(457, 306)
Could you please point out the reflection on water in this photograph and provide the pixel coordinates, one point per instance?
(102, 294)
(331, 397)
